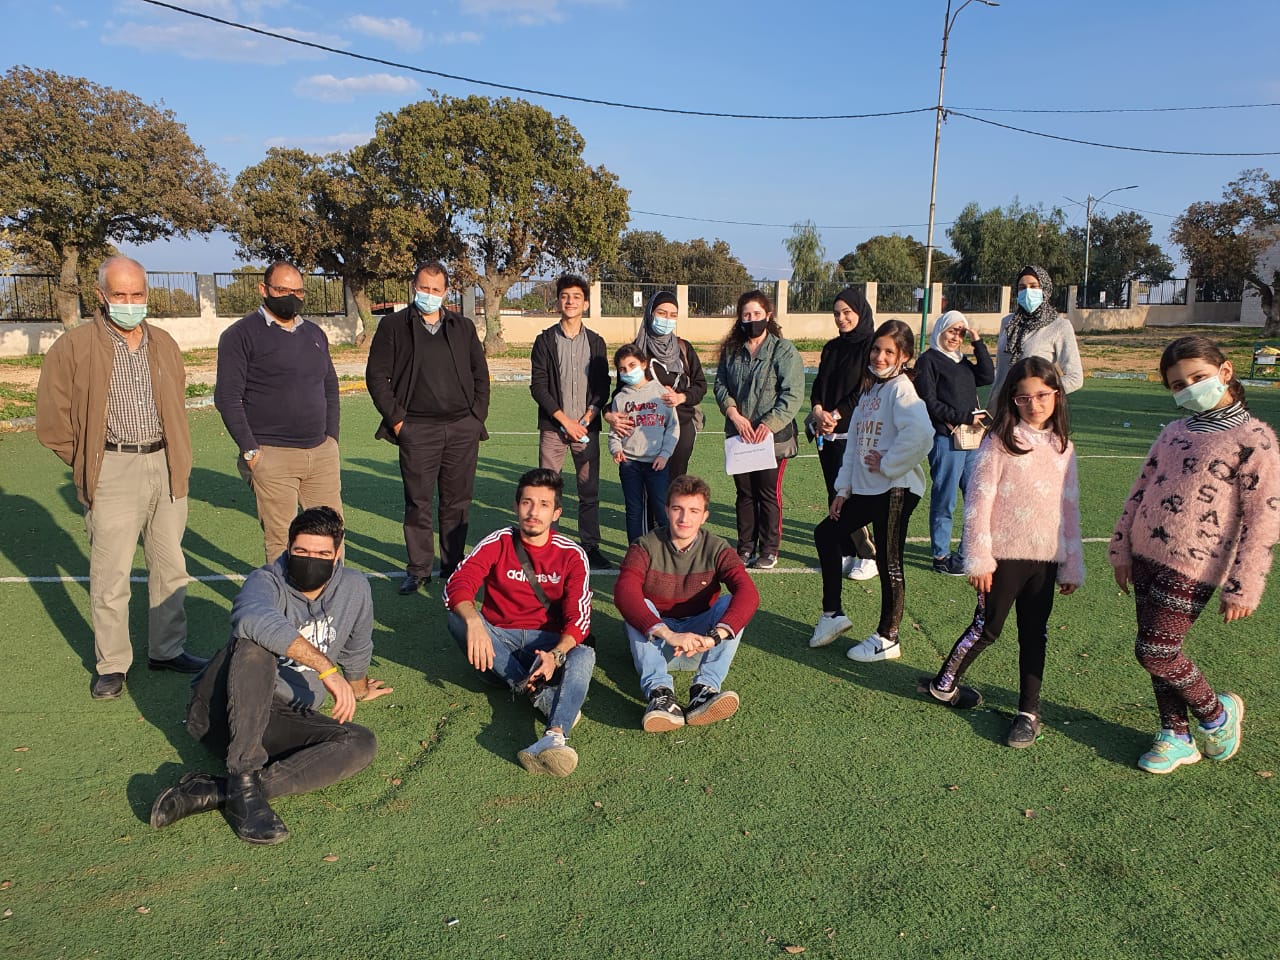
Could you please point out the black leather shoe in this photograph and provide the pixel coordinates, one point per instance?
(108, 686)
(194, 793)
(248, 812)
(412, 584)
(182, 663)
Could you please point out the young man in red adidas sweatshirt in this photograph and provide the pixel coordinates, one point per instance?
(668, 593)
(516, 640)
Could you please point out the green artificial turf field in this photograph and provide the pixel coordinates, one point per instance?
(837, 812)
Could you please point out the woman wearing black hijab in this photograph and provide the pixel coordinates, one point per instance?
(835, 392)
(675, 364)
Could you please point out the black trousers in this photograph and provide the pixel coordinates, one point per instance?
(830, 457)
(888, 514)
(678, 465)
(438, 468)
(759, 509)
(1029, 585)
(234, 712)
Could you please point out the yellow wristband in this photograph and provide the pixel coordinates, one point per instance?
(328, 673)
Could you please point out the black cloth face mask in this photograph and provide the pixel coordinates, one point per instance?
(753, 328)
(307, 573)
(286, 307)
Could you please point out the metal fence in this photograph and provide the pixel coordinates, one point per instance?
(815, 296)
(627, 298)
(721, 299)
(897, 298)
(1213, 291)
(1164, 293)
(237, 294)
(28, 297)
(535, 297)
(972, 297)
(172, 294)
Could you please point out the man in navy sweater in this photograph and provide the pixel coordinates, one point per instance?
(428, 377)
(277, 392)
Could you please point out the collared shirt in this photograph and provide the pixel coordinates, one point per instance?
(432, 328)
(574, 357)
(290, 326)
(132, 416)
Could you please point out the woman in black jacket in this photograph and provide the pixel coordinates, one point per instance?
(835, 392)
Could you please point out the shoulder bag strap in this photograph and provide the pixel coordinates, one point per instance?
(527, 566)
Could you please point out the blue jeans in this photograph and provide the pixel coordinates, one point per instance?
(642, 484)
(950, 470)
(655, 660)
(514, 656)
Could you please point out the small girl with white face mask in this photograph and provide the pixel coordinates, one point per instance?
(642, 455)
(1203, 515)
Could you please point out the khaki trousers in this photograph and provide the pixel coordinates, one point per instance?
(133, 499)
(284, 479)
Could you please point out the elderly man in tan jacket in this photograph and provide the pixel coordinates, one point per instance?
(112, 405)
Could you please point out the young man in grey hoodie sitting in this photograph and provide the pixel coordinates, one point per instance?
(301, 629)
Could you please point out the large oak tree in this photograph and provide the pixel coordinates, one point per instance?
(504, 177)
(82, 165)
(1224, 240)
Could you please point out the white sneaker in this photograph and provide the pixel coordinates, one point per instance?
(875, 647)
(550, 755)
(862, 570)
(829, 627)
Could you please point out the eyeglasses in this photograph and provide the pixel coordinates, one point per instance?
(286, 291)
(1026, 399)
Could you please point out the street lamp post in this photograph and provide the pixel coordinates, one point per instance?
(1089, 201)
(948, 21)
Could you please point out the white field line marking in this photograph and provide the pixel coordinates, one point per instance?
(399, 574)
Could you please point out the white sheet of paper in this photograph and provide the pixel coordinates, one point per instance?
(743, 457)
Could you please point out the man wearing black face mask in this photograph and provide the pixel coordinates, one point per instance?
(277, 392)
(301, 629)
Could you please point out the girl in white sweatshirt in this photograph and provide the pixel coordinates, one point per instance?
(880, 482)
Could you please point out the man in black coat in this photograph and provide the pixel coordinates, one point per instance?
(428, 378)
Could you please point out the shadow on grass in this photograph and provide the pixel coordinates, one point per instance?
(788, 639)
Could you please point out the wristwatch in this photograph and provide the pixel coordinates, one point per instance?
(558, 656)
(719, 634)
(250, 454)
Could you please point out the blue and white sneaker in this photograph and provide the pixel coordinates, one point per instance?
(1168, 753)
(1223, 741)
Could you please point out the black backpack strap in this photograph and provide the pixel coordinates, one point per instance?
(527, 566)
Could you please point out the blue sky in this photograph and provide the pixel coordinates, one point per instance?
(239, 94)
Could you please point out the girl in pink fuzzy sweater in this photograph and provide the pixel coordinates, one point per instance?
(1203, 514)
(1022, 536)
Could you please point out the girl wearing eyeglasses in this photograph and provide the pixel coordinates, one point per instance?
(1022, 534)
(1203, 515)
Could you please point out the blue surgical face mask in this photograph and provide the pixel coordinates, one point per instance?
(662, 325)
(427, 303)
(126, 316)
(631, 377)
(1202, 395)
(1030, 298)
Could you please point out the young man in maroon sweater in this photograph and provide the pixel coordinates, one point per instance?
(516, 640)
(668, 593)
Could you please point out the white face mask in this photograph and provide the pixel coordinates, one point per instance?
(1202, 395)
(427, 303)
(885, 373)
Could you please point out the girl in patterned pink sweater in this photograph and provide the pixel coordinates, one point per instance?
(1022, 531)
(1203, 514)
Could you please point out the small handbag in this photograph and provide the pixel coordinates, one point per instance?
(968, 436)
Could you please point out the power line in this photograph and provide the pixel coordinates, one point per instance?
(526, 90)
(1111, 146)
(753, 223)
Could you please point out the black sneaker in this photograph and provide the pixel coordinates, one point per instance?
(707, 705)
(949, 565)
(663, 713)
(1023, 732)
(597, 560)
(960, 697)
(746, 557)
(766, 561)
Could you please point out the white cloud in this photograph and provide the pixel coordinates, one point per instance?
(161, 31)
(397, 31)
(454, 36)
(331, 89)
(529, 12)
(334, 141)
(75, 23)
